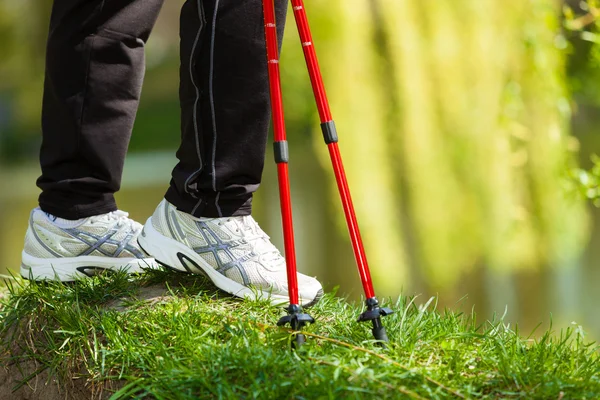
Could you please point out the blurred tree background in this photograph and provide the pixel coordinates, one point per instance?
(466, 128)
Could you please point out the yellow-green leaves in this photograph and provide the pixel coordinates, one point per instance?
(469, 162)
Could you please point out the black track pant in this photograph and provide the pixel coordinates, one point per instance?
(94, 74)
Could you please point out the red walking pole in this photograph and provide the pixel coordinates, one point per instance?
(374, 311)
(296, 318)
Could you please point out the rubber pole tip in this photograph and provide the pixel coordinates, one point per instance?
(380, 334)
(298, 341)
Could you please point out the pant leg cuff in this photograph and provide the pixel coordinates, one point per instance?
(73, 212)
(208, 207)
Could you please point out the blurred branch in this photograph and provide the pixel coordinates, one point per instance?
(579, 23)
(587, 182)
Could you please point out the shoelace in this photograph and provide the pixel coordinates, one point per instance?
(266, 250)
(261, 242)
(121, 217)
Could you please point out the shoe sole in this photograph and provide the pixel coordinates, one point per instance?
(70, 269)
(177, 256)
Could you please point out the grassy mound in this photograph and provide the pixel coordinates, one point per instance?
(113, 337)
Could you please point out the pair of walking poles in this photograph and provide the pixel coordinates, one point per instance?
(296, 317)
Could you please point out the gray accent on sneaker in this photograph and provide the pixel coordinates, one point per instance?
(205, 231)
(177, 225)
(100, 240)
(55, 254)
(123, 244)
(168, 220)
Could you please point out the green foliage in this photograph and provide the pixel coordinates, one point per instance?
(582, 28)
(587, 182)
(21, 65)
(455, 125)
(191, 342)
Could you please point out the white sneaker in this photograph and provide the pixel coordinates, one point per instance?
(233, 252)
(57, 249)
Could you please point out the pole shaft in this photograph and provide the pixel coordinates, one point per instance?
(280, 136)
(312, 61)
(336, 159)
(353, 229)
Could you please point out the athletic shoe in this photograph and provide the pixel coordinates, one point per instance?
(63, 250)
(233, 252)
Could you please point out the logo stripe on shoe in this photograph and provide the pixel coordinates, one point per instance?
(210, 248)
(101, 240)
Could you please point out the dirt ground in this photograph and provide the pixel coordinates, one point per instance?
(46, 387)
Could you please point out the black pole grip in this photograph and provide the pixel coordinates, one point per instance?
(329, 132)
(281, 152)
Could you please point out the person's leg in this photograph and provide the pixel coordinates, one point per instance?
(225, 106)
(204, 224)
(94, 73)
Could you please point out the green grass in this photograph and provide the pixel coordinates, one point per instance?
(194, 342)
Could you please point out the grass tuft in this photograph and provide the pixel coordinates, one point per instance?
(171, 336)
